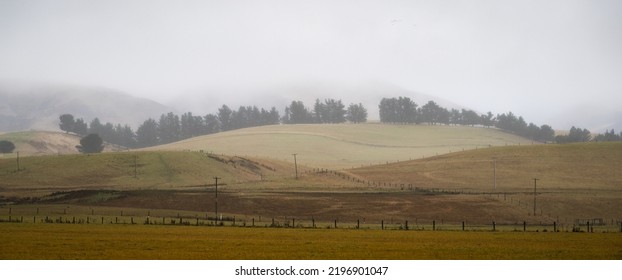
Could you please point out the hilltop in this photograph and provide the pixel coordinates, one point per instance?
(347, 145)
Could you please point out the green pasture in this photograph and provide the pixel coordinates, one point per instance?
(92, 241)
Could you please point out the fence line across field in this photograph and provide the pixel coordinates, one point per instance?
(60, 215)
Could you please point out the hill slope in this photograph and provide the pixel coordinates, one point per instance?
(123, 170)
(38, 106)
(570, 166)
(36, 143)
(347, 145)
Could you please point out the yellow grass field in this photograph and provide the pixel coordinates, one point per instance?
(347, 145)
(63, 241)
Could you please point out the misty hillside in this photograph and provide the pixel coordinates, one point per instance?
(37, 107)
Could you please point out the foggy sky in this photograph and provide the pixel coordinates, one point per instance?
(536, 58)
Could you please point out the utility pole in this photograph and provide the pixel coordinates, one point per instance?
(295, 165)
(535, 180)
(18, 161)
(216, 198)
(494, 173)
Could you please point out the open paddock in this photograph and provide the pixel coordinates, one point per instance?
(118, 241)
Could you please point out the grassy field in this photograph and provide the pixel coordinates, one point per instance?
(579, 181)
(571, 166)
(55, 241)
(130, 170)
(347, 145)
(105, 193)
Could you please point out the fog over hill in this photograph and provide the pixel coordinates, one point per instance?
(368, 93)
(37, 106)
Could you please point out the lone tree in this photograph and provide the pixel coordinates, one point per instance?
(67, 123)
(6, 146)
(90, 144)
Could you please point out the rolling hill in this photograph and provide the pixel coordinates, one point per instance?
(584, 166)
(257, 175)
(37, 143)
(347, 145)
(130, 171)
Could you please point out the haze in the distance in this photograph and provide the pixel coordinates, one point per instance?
(539, 59)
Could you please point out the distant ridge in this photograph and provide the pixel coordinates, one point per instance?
(37, 106)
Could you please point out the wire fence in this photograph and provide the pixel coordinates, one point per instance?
(111, 216)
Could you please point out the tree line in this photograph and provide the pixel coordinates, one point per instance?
(171, 127)
(404, 110)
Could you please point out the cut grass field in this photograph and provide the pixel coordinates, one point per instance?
(62, 241)
(347, 145)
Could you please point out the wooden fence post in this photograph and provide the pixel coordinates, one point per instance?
(358, 224)
(102, 220)
(554, 226)
(335, 223)
(313, 222)
(382, 224)
(524, 226)
(494, 226)
(433, 225)
(462, 225)
(406, 225)
(253, 222)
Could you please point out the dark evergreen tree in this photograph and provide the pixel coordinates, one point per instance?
(169, 128)
(6, 147)
(298, 113)
(212, 125)
(547, 134)
(80, 127)
(356, 113)
(147, 134)
(67, 123)
(224, 117)
(575, 135)
(91, 143)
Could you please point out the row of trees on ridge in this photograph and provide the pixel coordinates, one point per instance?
(171, 127)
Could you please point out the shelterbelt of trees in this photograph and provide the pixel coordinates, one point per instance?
(402, 110)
